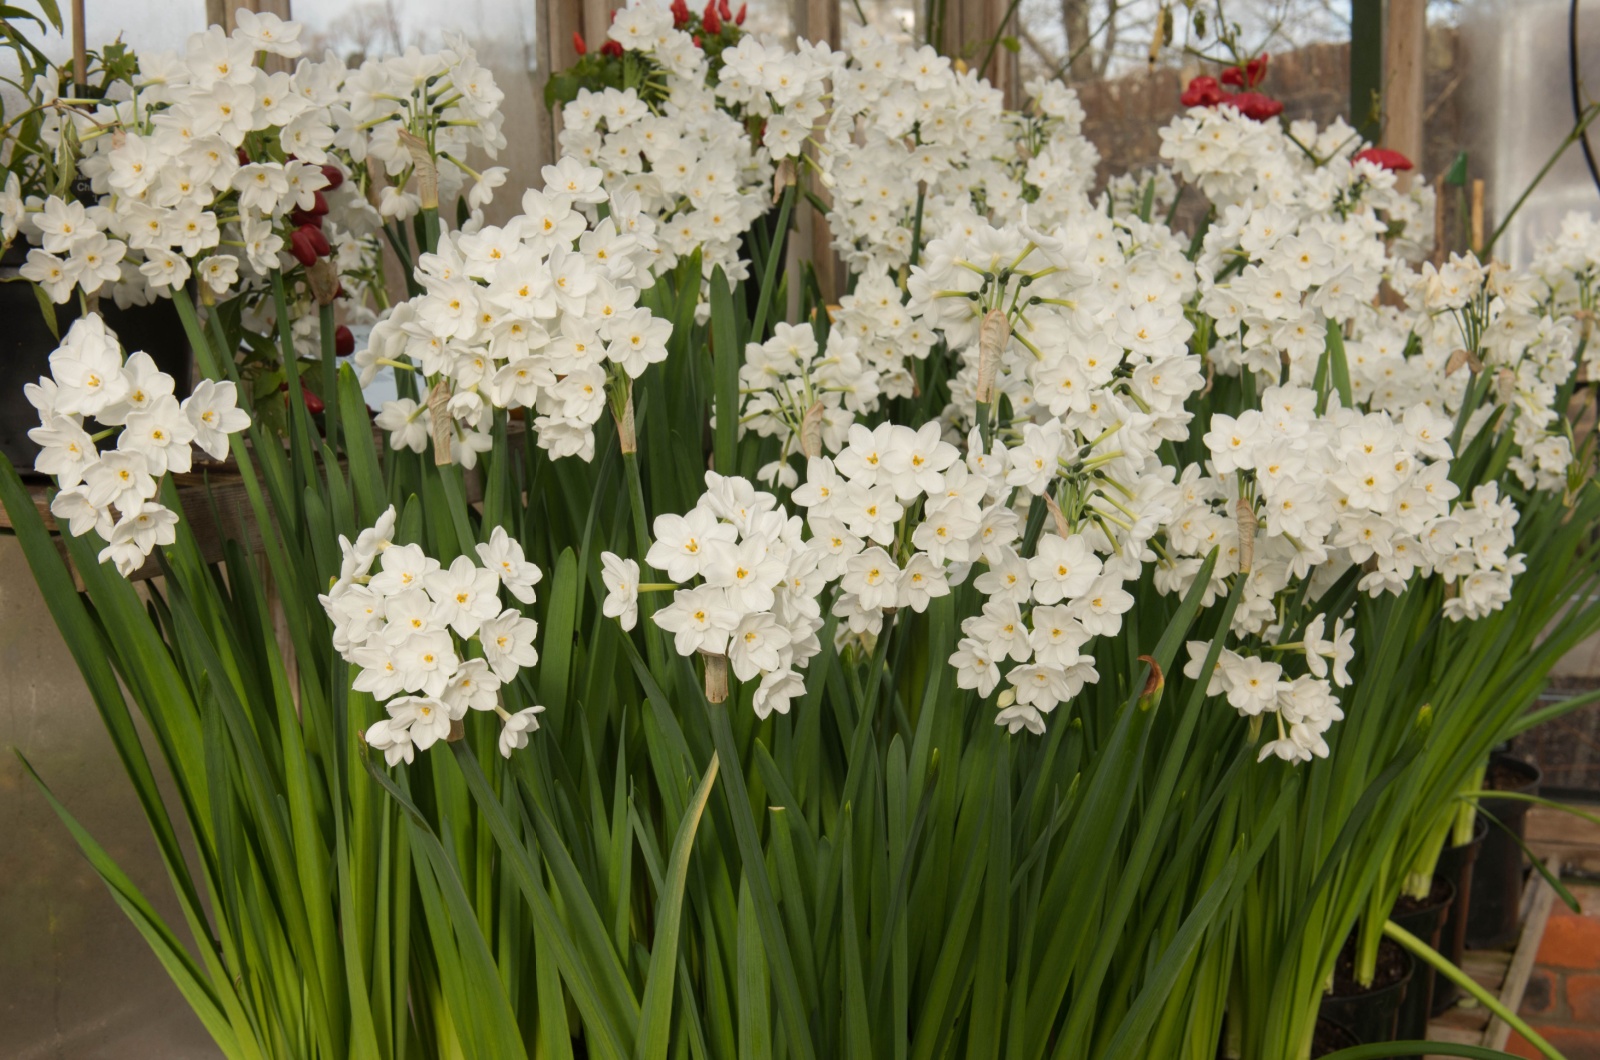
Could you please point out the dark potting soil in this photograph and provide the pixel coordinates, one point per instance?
(1436, 894)
(1503, 776)
(1391, 969)
(1329, 1038)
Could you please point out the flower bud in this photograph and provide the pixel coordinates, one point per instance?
(307, 244)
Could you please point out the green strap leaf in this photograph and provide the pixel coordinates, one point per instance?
(655, 1020)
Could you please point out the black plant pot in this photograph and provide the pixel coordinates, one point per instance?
(26, 345)
(1497, 874)
(1455, 864)
(1330, 1037)
(1425, 919)
(1371, 1012)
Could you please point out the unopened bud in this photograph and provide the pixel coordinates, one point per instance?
(1245, 513)
(458, 731)
(1153, 685)
(716, 677)
(1505, 381)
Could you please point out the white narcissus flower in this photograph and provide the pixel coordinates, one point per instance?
(503, 554)
(699, 619)
(473, 687)
(66, 450)
(1062, 569)
(514, 733)
(214, 412)
(621, 578)
(162, 433)
(425, 719)
(87, 368)
(507, 643)
(120, 478)
(464, 595)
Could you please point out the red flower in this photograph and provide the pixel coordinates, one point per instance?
(578, 45)
(611, 48)
(307, 244)
(1202, 92)
(738, 20)
(709, 18)
(344, 343)
(680, 14)
(697, 42)
(1393, 161)
(723, 10)
(1255, 106)
(334, 175)
(1249, 75)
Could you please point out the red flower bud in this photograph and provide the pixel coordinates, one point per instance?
(1249, 75)
(307, 244)
(738, 20)
(710, 20)
(314, 404)
(1255, 106)
(611, 48)
(344, 343)
(578, 45)
(1393, 161)
(723, 10)
(244, 159)
(334, 175)
(313, 216)
(1202, 92)
(697, 42)
(680, 14)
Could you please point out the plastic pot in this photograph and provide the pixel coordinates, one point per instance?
(1425, 920)
(1497, 874)
(1455, 864)
(1371, 1013)
(26, 344)
(1330, 1037)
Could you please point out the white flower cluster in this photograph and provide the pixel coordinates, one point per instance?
(112, 492)
(531, 315)
(202, 152)
(796, 391)
(409, 627)
(690, 163)
(906, 126)
(892, 522)
(1095, 333)
(1317, 495)
(1256, 687)
(755, 607)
